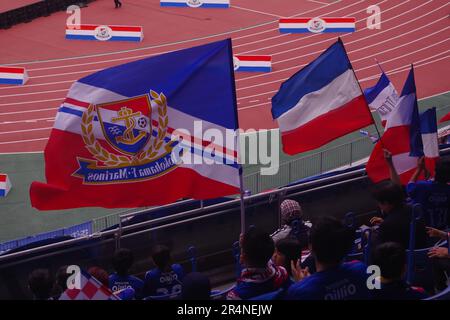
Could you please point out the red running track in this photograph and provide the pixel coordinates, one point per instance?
(412, 31)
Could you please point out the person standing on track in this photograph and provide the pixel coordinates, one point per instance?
(118, 3)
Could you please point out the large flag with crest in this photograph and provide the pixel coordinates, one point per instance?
(145, 133)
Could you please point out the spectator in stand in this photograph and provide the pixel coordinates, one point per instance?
(60, 284)
(196, 286)
(40, 284)
(286, 251)
(122, 261)
(291, 212)
(434, 196)
(441, 260)
(100, 274)
(259, 275)
(396, 217)
(166, 278)
(391, 258)
(331, 241)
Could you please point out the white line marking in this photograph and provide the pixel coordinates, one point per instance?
(256, 11)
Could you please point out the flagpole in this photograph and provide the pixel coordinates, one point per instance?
(362, 92)
(237, 144)
(379, 65)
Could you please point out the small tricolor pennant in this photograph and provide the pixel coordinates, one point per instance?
(196, 3)
(5, 185)
(104, 33)
(252, 63)
(13, 75)
(317, 25)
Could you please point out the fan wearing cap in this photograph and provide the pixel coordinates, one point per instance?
(292, 223)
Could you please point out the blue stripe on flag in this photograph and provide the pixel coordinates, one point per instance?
(114, 38)
(316, 75)
(195, 81)
(10, 81)
(428, 122)
(332, 30)
(254, 69)
(415, 136)
(79, 37)
(2, 192)
(373, 92)
(75, 112)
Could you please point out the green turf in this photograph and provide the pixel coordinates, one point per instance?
(18, 219)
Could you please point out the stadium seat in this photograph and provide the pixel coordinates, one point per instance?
(237, 256)
(274, 295)
(192, 251)
(444, 295)
(164, 297)
(220, 294)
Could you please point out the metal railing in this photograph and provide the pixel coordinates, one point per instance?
(310, 165)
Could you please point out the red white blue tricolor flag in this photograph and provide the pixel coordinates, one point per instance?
(246, 63)
(320, 103)
(429, 131)
(382, 97)
(13, 75)
(104, 33)
(196, 3)
(116, 134)
(317, 25)
(402, 138)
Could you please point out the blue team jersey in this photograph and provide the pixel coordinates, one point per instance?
(117, 283)
(159, 283)
(398, 290)
(435, 201)
(345, 282)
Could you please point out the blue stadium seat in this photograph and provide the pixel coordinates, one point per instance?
(274, 295)
(164, 297)
(192, 251)
(444, 295)
(237, 256)
(220, 294)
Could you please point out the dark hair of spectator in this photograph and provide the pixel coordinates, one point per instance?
(196, 286)
(99, 274)
(291, 249)
(442, 172)
(331, 240)
(258, 248)
(161, 256)
(40, 284)
(391, 258)
(389, 193)
(122, 261)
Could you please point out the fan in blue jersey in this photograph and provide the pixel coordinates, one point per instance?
(166, 278)
(331, 240)
(390, 257)
(122, 261)
(434, 196)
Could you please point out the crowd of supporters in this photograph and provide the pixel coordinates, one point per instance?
(304, 261)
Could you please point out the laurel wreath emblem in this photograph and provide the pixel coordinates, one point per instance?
(149, 152)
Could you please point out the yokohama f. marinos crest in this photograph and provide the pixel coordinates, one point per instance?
(133, 149)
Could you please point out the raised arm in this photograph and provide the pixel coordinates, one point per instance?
(392, 172)
(419, 169)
